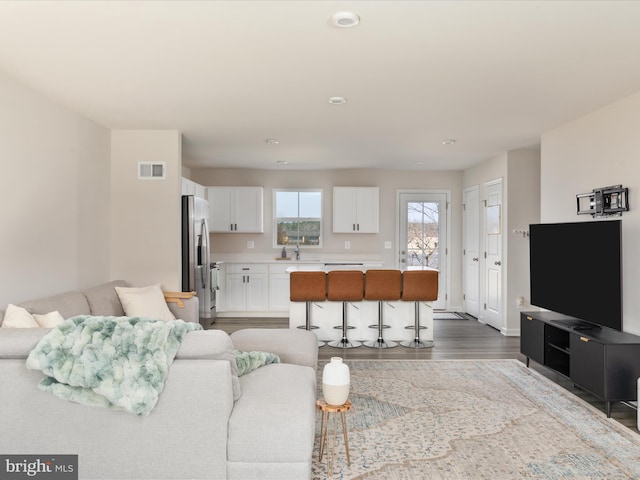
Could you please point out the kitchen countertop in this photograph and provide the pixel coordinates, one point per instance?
(305, 259)
(327, 267)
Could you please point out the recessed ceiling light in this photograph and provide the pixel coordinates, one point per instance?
(337, 100)
(282, 162)
(345, 19)
(448, 141)
(272, 141)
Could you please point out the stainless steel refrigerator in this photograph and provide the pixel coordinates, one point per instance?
(198, 271)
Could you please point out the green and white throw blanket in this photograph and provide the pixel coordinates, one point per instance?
(249, 361)
(113, 362)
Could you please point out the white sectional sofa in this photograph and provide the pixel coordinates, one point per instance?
(196, 430)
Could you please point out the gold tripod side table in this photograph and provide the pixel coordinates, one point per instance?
(326, 410)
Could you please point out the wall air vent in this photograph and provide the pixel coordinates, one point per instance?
(151, 171)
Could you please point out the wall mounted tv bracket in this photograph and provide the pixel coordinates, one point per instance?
(603, 202)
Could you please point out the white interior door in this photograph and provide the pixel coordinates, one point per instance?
(493, 254)
(423, 236)
(471, 250)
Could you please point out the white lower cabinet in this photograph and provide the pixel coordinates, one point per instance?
(246, 288)
(278, 288)
(255, 288)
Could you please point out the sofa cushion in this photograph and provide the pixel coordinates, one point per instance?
(274, 420)
(69, 304)
(146, 302)
(299, 347)
(103, 299)
(48, 320)
(211, 344)
(18, 317)
(18, 342)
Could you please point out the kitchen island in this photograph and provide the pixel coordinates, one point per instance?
(257, 285)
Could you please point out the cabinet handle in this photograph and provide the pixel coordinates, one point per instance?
(584, 339)
(354, 227)
(529, 318)
(245, 268)
(358, 226)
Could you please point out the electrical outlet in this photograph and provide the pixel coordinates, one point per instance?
(387, 245)
(347, 245)
(250, 244)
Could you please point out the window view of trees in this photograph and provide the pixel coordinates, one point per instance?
(298, 232)
(298, 218)
(422, 240)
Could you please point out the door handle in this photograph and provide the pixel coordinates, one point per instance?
(474, 259)
(497, 262)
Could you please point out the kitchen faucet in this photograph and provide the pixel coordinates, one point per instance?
(297, 250)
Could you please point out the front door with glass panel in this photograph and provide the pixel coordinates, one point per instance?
(423, 236)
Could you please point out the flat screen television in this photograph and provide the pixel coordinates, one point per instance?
(576, 270)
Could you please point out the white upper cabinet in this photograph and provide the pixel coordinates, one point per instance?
(356, 209)
(189, 187)
(235, 209)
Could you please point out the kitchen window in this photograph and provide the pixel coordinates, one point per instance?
(297, 217)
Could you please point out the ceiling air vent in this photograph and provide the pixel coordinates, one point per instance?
(151, 171)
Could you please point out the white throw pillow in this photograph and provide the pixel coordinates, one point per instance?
(145, 302)
(18, 317)
(48, 320)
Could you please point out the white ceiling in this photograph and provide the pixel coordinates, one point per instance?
(494, 75)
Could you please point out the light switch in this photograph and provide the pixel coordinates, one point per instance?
(387, 244)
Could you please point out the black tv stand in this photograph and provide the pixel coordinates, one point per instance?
(583, 327)
(575, 324)
(598, 359)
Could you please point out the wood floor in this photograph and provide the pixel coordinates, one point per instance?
(454, 339)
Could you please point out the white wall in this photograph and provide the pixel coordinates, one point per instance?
(520, 173)
(54, 197)
(145, 214)
(389, 182)
(523, 193)
(597, 150)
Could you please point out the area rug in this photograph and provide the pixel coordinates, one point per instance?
(473, 419)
